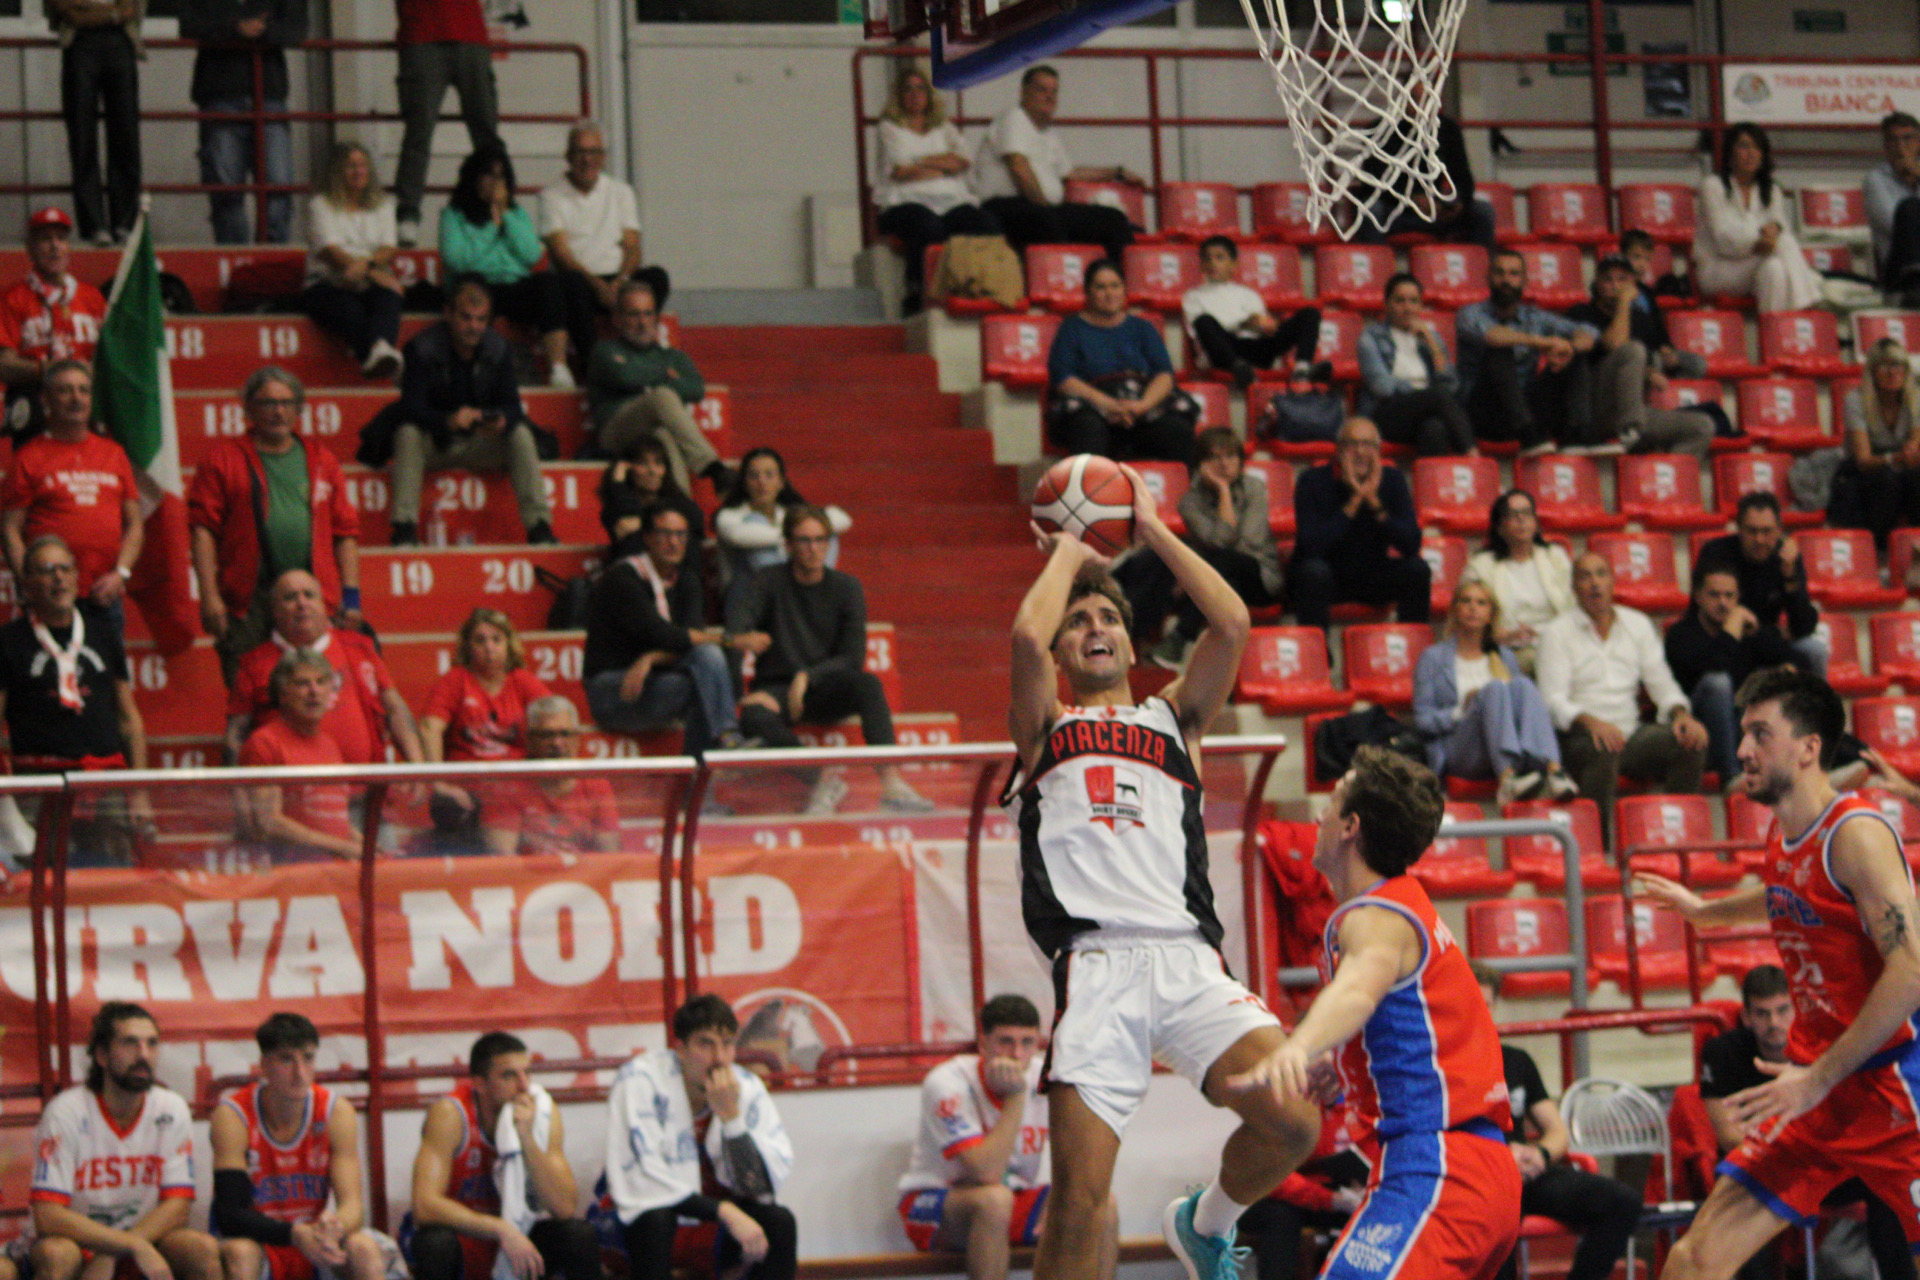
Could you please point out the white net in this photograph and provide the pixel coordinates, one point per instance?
(1362, 93)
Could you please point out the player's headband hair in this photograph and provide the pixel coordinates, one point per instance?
(1807, 702)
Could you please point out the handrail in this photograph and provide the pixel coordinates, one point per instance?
(259, 116)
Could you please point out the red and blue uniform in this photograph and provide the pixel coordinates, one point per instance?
(1428, 1096)
(469, 1182)
(291, 1181)
(1866, 1126)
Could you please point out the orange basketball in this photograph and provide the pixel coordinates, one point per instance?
(1090, 497)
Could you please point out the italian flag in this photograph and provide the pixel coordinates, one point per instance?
(133, 398)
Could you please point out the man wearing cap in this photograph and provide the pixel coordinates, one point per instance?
(1626, 371)
(46, 317)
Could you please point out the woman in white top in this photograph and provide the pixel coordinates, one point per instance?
(923, 194)
(351, 290)
(1878, 484)
(1741, 242)
(1531, 579)
(749, 522)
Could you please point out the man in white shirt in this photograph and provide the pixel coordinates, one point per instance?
(1892, 192)
(1022, 174)
(1231, 325)
(590, 221)
(1594, 661)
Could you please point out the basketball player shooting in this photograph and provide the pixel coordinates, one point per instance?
(1839, 898)
(1114, 890)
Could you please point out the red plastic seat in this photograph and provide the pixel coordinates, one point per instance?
(1662, 491)
(1871, 326)
(1273, 272)
(1055, 272)
(1450, 275)
(1167, 482)
(1896, 647)
(1838, 212)
(1660, 939)
(1900, 549)
(1575, 212)
(1159, 274)
(1553, 275)
(1643, 573)
(1829, 257)
(1500, 197)
(1685, 393)
(1340, 344)
(1782, 413)
(1675, 820)
(1843, 571)
(1279, 477)
(1566, 492)
(1215, 404)
(1751, 823)
(1379, 658)
(1516, 928)
(1455, 493)
(1539, 859)
(1806, 343)
(1285, 670)
(1280, 213)
(1352, 275)
(1192, 211)
(1124, 196)
(1013, 349)
(1719, 337)
(1890, 726)
(1460, 866)
(1447, 558)
(1903, 814)
(1844, 672)
(1737, 474)
(1664, 210)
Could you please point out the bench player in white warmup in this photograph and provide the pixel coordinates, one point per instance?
(1114, 888)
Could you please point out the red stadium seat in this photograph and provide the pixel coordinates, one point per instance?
(1751, 823)
(1737, 474)
(1643, 572)
(1806, 343)
(1158, 274)
(1054, 274)
(1279, 476)
(1379, 658)
(1340, 344)
(1660, 940)
(1167, 482)
(1273, 272)
(1903, 814)
(1124, 196)
(1890, 726)
(1719, 337)
(1450, 275)
(1836, 212)
(1461, 867)
(1352, 275)
(1829, 257)
(1553, 275)
(1215, 403)
(1566, 491)
(1662, 491)
(1871, 326)
(1685, 393)
(1506, 221)
(1540, 860)
(1900, 548)
(1675, 820)
(1515, 928)
(1192, 211)
(1782, 413)
(1575, 212)
(1447, 558)
(1843, 572)
(1280, 214)
(1838, 632)
(1456, 493)
(1896, 648)
(1285, 670)
(1013, 349)
(1664, 210)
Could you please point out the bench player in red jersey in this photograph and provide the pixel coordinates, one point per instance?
(1839, 898)
(282, 1146)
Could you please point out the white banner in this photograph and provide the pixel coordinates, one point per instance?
(1817, 93)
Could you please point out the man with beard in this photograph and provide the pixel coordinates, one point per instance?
(1518, 376)
(113, 1183)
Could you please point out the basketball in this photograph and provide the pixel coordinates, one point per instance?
(1090, 497)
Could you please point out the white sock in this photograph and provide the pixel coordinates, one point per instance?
(1216, 1212)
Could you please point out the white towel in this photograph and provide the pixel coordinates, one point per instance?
(517, 1204)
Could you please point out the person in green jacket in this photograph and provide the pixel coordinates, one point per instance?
(637, 385)
(482, 230)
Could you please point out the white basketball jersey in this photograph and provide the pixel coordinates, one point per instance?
(109, 1174)
(956, 1111)
(1111, 830)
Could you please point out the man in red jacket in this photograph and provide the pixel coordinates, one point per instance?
(261, 505)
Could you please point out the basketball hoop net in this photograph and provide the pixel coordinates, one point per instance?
(1362, 94)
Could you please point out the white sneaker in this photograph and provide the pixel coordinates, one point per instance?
(560, 377)
(1561, 786)
(904, 799)
(828, 793)
(383, 361)
(408, 233)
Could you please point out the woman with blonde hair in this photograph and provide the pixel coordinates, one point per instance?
(351, 290)
(478, 709)
(1878, 485)
(1481, 716)
(922, 194)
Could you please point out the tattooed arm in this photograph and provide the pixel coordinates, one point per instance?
(1867, 863)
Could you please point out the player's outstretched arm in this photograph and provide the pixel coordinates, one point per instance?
(343, 1167)
(1035, 702)
(1742, 906)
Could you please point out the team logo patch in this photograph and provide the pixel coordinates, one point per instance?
(1371, 1247)
(1113, 795)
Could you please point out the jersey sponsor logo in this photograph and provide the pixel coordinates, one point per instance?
(1784, 904)
(1108, 738)
(1371, 1247)
(104, 1173)
(1113, 795)
(290, 1189)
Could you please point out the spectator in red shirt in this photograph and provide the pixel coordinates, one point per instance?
(79, 484)
(478, 709)
(442, 42)
(307, 822)
(558, 813)
(48, 316)
(369, 711)
(265, 504)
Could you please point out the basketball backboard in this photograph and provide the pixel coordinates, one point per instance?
(976, 40)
